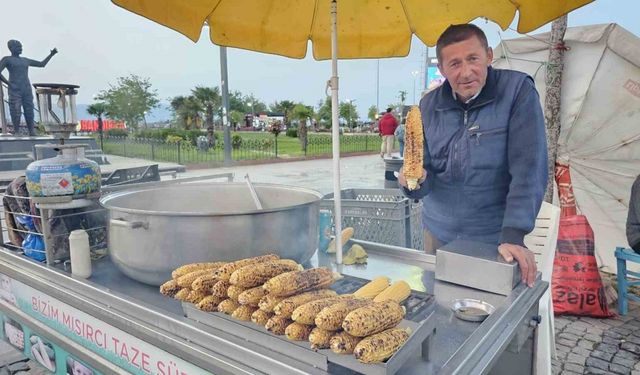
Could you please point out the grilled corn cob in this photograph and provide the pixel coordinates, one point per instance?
(251, 297)
(290, 283)
(306, 314)
(381, 346)
(219, 289)
(345, 236)
(298, 332)
(258, 274)
(243, 312)
(331, 317)
(260, 317)
(195, 297)
(170, 288)
(268, 302)
(320, 338)
(188, 268)
(398, 291)
(204, 283)
(343, 343)
(277, 324)
(228, 306)
(286, 307)
(413, 148)
(182, 294)
(233, 292)
(209, 303)
(188, 279)
(225, 272)
(374, 318)
(372, 288)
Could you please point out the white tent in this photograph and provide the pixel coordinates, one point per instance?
(600, 117)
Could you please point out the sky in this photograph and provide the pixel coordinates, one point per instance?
(98, 42)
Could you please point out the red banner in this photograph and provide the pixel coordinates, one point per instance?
(92, 125)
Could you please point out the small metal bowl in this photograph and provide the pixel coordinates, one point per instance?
(472, 310)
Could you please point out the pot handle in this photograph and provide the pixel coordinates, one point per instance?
(120, 222)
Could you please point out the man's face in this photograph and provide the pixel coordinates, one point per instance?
(464, 65)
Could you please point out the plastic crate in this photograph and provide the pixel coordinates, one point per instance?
(380, 215)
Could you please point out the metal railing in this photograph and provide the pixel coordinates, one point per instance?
(184, 152)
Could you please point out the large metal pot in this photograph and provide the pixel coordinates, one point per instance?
(155, 230)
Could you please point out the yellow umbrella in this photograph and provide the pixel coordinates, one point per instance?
(362, 28)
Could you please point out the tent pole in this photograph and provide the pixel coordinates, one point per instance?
(226, 124)
(335, 131)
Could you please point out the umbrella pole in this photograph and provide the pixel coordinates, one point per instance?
(226, 125)
(335, 132)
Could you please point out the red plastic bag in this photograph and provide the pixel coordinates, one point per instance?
(576, 284)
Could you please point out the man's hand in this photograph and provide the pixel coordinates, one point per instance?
(403, 181)
(525, 259)
(54, 51)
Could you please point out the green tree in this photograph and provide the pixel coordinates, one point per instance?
(210, 100)
(373, 113)
(236, 117)
(349, 113)
(323, 115)
(285, 107)
(254, 105)
(129, 99)
(302, 113)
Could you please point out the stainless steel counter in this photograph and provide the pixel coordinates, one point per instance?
(460, 347)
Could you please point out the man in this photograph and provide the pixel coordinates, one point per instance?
(633, 218)
(387, 126)
(20, 95)
(485, 151)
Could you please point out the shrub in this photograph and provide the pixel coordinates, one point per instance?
(117, 132)
(236, 141)
(291, 132)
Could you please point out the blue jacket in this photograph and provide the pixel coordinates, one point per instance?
(486, 161)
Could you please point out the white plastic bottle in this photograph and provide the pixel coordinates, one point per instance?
(80, 254)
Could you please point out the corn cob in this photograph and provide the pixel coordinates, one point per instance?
(195, 297)
(343, 343)
(219, 289)
(243, 312)
(413, 148)
(258, 274)
(290, 283)
(225, 272)
(398, 291)
(170, 288)
(306, 314)
(228, 306)
(372, 288)
(188, 268)
(209, 303)
(331, 317)
(374, 318)
(268, 302)
(298, 332)
(286, 307)
(188, 279)
(251, 297)
(320, 338)
(277, 324)
(182, 294)
(204, 283)
(233, 292)
(260, 317)
(381, 346)
(345, 236)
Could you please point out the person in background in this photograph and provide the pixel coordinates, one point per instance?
(485, 151)
(387, 126)
(633, 218)
(399, 133)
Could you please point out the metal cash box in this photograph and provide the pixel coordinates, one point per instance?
(476, 265)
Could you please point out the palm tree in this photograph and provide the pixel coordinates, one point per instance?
(285, 107)
(187, 110)
(210, 99)
(98, 109)
(302, 113)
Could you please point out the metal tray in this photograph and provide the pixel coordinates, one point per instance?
(419, 307)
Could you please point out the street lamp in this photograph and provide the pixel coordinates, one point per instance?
(144, 117)
(415, 75)
(253, 113)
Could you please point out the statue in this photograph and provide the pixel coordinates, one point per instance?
(20, 94)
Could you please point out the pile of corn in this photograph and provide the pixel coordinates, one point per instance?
(288, 300)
